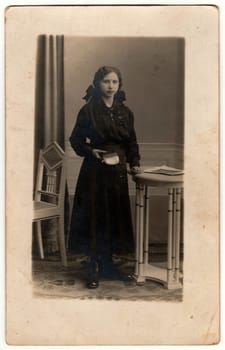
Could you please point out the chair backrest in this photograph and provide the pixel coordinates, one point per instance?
(50, 185)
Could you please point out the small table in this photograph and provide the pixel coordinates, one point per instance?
(170, 276)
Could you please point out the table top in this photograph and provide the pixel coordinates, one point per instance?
(159, 180)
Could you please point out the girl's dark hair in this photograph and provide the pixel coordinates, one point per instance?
(103, 71)
(99, 75)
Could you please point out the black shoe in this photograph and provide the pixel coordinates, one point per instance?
(128, 277)
(92, 284)
(92, 272)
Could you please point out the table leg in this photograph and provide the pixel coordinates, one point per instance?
(177, 253)
(174, 231)
(141, 233)
(170, 229)
(146, 216)
(137, 215)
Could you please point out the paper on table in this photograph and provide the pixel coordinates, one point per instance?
(164, 170)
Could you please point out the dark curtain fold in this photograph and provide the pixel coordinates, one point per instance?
(49, 104)
(49, 111)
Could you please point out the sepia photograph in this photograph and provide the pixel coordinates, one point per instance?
(112, 168)
(112, 140)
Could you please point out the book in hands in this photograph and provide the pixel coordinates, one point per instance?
(110, 158)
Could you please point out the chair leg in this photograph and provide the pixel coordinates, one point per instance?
(39, 239)
(61, 237)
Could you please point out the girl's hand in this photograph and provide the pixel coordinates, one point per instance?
(135, 170)
(97, 153)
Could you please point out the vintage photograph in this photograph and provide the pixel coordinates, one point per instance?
(108, 172)
(112, 175)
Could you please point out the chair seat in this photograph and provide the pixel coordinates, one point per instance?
(43, 210)
(42, 205)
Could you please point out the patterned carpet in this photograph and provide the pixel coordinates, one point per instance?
(51, 280)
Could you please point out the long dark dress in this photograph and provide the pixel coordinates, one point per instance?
(101, 220)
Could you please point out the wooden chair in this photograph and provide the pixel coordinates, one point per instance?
(49, 194)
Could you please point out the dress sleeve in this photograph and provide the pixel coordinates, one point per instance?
(78, 138)
(132, 149)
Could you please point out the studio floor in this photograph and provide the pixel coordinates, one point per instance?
(51, 280)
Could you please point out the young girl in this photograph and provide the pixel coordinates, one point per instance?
(104, 135)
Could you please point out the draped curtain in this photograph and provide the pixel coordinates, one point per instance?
(49, 110)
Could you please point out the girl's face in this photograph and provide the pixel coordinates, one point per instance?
(109, 85)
